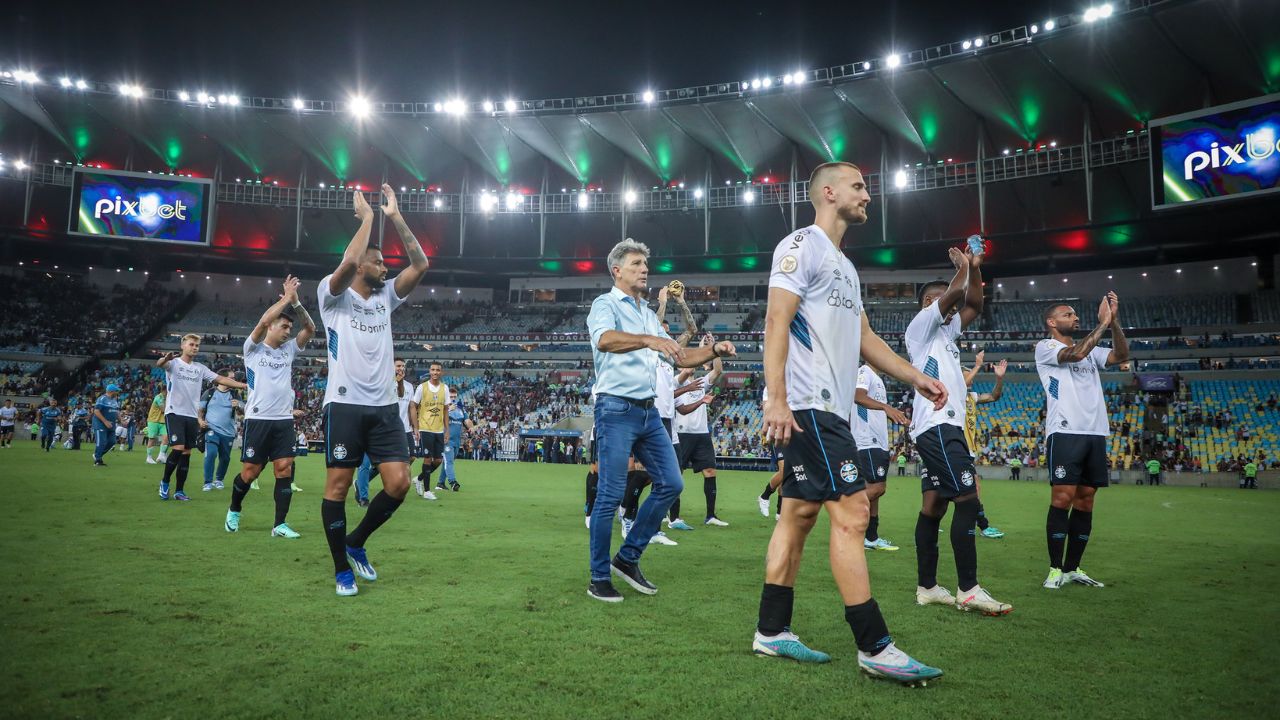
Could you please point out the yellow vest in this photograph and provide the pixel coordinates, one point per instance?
(431, 410)
(971, 421)
(156, 413)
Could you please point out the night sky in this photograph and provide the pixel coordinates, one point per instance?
(429, 51)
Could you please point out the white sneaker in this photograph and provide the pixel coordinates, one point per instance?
(428, 495)
(162, 457)
(764, 506)
(151, 461)
(662, 539)
(294, 487)
(978, 599)
(626, 527)
(417, 486)
(1054, 581)
(713, 520)
(882, 544)
(1079, 577)
(936, 595)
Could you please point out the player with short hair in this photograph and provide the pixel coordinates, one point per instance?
(218, 407)
(157, 435)
(667, 392)
(360, 408)
(870, 423)
(459, 423)
(1076, 430)
(971, 402)
(697, 452)
(269, 435)
(8, 419)
(184, 379)
(946, 467)
(48, 417)
(430, 404)
(815, 333)
(106, 411)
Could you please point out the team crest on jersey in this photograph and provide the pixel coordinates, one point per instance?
(339, 452)
(248, 452)
(966, 477)
(788, 264)
(1063, 423)
(951, 413)
(342, 389)
(1060, 472)
(848, 471)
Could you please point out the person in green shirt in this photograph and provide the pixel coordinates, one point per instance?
(1153, 471)
(902, 464)
(1015, 468)
(1250, 479)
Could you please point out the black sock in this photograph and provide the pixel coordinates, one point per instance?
(593, 483)
(709, 490)
(768, 491)
(284, 495)
(170, 464)
(184, 464)
(779, 503)
(963, 543)
(1079, 525)
(334, 515)
(869, 630)
(631, 496)
(983, 523)
(239, 488)
(1056, 529)
(381, 508)
(674, 513)
(873, 528)
(775, 609)
(927, 550)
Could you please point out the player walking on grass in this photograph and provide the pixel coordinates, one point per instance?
(815, 332)
(946, 466)
(972, 400)
(1076, 430)
(626, 344)
(693, 427)
(157, 436)
(8, 418)
(870, 422)
(361, 413)
(459, 424)
(269, 436)
(48, 417)
(106, 412)
(666, 389)
(429, 405)
(184, 380)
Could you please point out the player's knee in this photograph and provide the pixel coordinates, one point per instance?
(250, 472)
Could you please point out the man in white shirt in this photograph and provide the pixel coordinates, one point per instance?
(815, 333)
(361, 415)
(184, 381)
(947, 473)
(870, 421)
(8, 419)
(692, 426)
(1076, 430)
(268, 411)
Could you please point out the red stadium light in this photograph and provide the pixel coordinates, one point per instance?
(583, 266)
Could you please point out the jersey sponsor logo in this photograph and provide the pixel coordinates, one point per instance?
(339, 452)
(849, 471)
(788, 264)
(838, 300)
(1084, 369)
(966, 478)
(797, 239)
(1060, 472)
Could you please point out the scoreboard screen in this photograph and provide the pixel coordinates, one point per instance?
(141, 206)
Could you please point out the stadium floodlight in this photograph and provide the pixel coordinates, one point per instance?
(749, 197)
(183, 95)
(1049, 25)
(487, 202)
(299, 103)
(893, 61)
(233, 100)
(647, 96)
(798, 77)
(755, 84)
(202, 97)
(584, 200)
(630, 197)
(454, 106)
(514, 200)
(82, 85)
(20, 164)
(438, 202)
(437, 107)
(900, 179)
(866, 65)
(786, 79)
(64, 81)
(1053, 143)
(404, 189)
(28, 77)
(1034, 28)
(510, 106)
(1105, 11)
(222, 99)
(1006, 151)
(488, 106)
(1179, 270)
(977, 42)
(767, 82)
(966, 44)
(321, 184)
(697, 193)
(360, 106)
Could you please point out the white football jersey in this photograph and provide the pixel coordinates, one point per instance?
(185, 381)
(696, 421)
(269, 374)
(358, 337)
(1073, 390)
(826, 333)
(403, 401)
(870, 427)
(665, 388)
(931, 345)
(7, 414)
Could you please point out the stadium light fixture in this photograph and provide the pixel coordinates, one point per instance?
(767, 82)
(1049, 25)
(20, 164)
(900, 179)
(866, 65)
(749, 197)
(630, 197)
(1005, 152)
(647, 96)
(510, 106)
(977, 42)
(404, 189)
(233, 100)
(755, 84)
(202, 97)
(1033, 282)
(1034, 28)
(183, 95)
(1144, 274)
(514, 200)
(1215, 267)
(360, 106)
(966, 44)
(437, 107)
(488, 106)
(321, 184)
(438, 202)
(64, 81)
(222, 99)
(584, 200)
(697, 193)
(893, 61)
(487, 202)
(799, 77)
(786, 79)
(455, 106)
(1104, 12)
(1179, 271)
(82, 85)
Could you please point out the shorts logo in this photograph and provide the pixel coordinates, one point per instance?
(248, 452)
(848, 471)
(174, 438)
(799, 473)
(966, 477)
(339, 452)
(788, 264)
(880, 472)
(1060, 472)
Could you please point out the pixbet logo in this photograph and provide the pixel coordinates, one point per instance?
(1257, 145)
(146, 206)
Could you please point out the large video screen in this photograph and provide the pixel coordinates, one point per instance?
(1219, 153)
(141, 206)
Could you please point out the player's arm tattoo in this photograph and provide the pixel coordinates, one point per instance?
(1081, 350)
(305, 316)
(1120, 345)
(691, 327)
(417, 257)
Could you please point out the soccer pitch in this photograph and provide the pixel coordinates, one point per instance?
(120, 605)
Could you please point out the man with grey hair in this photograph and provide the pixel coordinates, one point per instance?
(627, 343)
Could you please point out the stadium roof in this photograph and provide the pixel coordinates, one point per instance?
(1054, 100)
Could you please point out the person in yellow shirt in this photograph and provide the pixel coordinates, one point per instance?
(157, 436)
(972, 401)
(427, 412)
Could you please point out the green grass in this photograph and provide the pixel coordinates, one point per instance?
(118, 605)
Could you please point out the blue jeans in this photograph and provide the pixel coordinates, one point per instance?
(218, 446)
(624, 429)
(362, 479)
(450, 454)
(103, 441)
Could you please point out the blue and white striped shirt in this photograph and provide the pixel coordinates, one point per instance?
(630, 375)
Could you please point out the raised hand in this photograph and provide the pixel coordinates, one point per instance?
(291, 284)
(662, 294)
(361, 206)
(390, 207)
(1115, 306)
(957, 258)
(1001, 367)
(1105, 312)
(980, 358)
